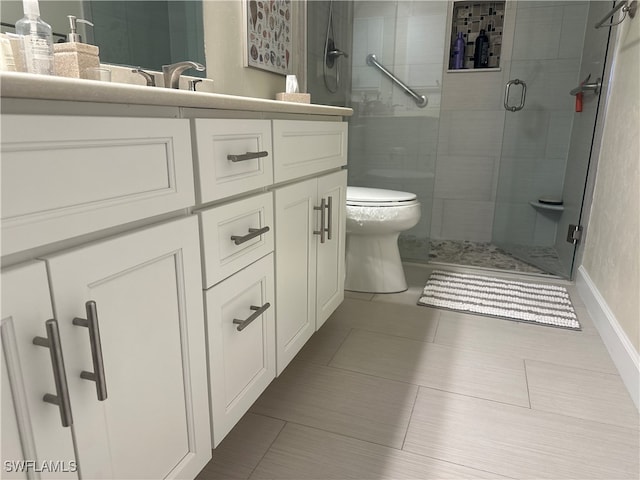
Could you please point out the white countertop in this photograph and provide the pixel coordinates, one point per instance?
(25, 85)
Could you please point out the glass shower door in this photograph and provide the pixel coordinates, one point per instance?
(392, 138)
(547, 142)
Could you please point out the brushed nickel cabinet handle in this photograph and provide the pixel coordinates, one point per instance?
(329, 217)
(253, 233)
(61, 398)
(97, 376)
(247, 156)
(322, 231)
(242, 324)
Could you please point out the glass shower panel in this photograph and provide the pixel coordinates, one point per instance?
(531, 194)
(393, 141)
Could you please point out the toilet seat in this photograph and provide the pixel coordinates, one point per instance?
(377, 197)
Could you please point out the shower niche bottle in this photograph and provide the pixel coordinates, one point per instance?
(481, 52)
(458, 53)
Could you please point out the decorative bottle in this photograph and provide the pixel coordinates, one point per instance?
(38, 39)
(481, 53)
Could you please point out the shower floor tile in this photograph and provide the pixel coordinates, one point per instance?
(479, 254)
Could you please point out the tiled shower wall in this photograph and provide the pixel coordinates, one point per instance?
(317, 18)
(451, 153)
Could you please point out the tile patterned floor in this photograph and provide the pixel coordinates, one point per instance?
(389, 390)
(482, 254)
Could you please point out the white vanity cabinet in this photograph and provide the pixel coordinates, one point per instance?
(310, 242)
(31, 429)
(122, 225)
(149, 337)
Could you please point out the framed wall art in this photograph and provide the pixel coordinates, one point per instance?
(269, 35)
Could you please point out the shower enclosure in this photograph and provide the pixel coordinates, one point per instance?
(494, 166)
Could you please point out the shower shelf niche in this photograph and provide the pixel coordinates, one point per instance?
(469, 17)
(547, 206)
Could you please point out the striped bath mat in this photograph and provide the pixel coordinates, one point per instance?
(519, 301)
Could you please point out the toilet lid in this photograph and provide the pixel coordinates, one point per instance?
(364, 196)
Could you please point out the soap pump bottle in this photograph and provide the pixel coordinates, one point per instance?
(458, 52)
(481, 53)
(37, 37)
(73, 57)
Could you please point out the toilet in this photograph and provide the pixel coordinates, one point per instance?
(375, 219)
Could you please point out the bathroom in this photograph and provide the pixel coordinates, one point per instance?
(454, 149)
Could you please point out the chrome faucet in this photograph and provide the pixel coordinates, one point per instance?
(172, 72)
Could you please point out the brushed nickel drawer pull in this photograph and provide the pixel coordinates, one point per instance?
(322, 208)
(242, 324)
(91, 322)
(61, 398)
(253, 233)
(329, 217)
(247, 156)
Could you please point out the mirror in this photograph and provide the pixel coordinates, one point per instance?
(141, 33)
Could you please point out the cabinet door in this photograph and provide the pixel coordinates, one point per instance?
(31, 428)
(303, 148)
(242, 357)
(146, 285)
(296, 220)
(330, 258)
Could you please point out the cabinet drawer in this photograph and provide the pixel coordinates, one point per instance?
(65, 176)
(241, 362)
(217, 140)
(244, 220)
(303, 148)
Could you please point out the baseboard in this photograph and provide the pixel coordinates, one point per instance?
(622, 351)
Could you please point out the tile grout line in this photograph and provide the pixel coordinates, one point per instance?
(338, 349)
(406, 432)
(343, 435)
(371, 375)
(526, 381)
(269, 448)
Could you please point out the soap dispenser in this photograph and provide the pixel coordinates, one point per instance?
(73, 58)
(37, 38)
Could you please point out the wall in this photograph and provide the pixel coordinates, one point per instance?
(612, 240)
(223, 32)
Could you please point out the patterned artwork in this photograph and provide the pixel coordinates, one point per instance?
(269, 34)
(471, 17)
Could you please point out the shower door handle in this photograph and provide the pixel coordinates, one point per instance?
(523, 97)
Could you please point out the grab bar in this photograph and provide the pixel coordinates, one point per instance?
(421, 100)
(626, 7)
(587, 87)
